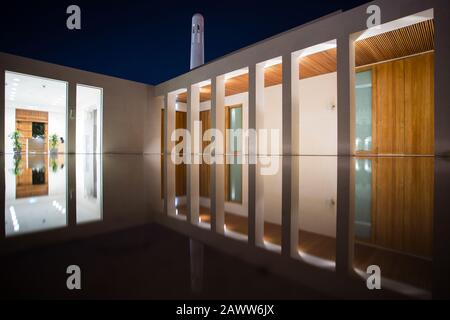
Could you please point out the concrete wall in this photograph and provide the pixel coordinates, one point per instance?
(128, 116)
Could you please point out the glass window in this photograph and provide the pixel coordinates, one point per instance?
(363, 198)
(89, 120)
(364, 111)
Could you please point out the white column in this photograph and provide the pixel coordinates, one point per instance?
(287, 180)
(295, 89)
(256, 180)
(169, 166)
(295, 170)
(193, 170)
(218, 168)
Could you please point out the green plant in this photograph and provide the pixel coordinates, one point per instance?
(54, 165)
(15, 137)
(17, 171)
(54, 141)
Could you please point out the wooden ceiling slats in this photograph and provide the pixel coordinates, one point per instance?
(398, 43)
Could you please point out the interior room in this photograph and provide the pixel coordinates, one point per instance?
(35, 114)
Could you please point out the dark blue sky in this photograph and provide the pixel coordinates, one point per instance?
(147, 41)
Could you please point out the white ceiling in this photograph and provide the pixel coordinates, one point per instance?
(35, 93)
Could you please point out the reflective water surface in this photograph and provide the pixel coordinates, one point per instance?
(311, 229)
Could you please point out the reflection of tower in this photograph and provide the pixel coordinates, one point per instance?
(197, 41)
(196, 255)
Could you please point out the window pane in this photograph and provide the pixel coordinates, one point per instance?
(363, 198)
(364, 111)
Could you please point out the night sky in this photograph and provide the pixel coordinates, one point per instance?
(147, 41)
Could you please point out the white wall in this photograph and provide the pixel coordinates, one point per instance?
(318, 121)
(318, 195)
(318, 136)
(57, 125)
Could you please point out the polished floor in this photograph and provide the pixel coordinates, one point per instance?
(314, 228)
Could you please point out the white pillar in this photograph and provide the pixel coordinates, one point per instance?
(218, 168)
(169, 166)
(295, 98)
(256, 180)
(193, 170)
(295, 170)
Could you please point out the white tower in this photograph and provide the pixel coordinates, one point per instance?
(197, 41)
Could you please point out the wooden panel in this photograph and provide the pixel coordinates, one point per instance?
(390, 106)
(180, 170)
(205, 169)
(318, 64)
(24, 182)
(24, 122)
(402, 211)
(419, 105)
(31, 116)
(419, 205)
(407, 41)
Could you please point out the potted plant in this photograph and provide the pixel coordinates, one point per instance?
(54, 142)
(17, 170)
(53, 164)
(15, 137)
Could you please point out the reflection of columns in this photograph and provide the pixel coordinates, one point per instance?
(2, 193)
(255, 179)
(169, 166)
(196, 256)
(345, 216)
(71, 161)
(346, 95)
(295, 207)
(193, 173)
(287, 151)
(218, 169)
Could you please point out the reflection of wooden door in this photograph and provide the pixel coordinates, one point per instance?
(180, 170)
(402, 212)
(33, 181)
(205, 169)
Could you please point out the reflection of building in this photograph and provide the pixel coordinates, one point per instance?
(89, 188)
(33, 178)
(35, 193)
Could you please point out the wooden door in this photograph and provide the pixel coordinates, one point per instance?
(419, 105)
(390, 105)
(205, 169)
